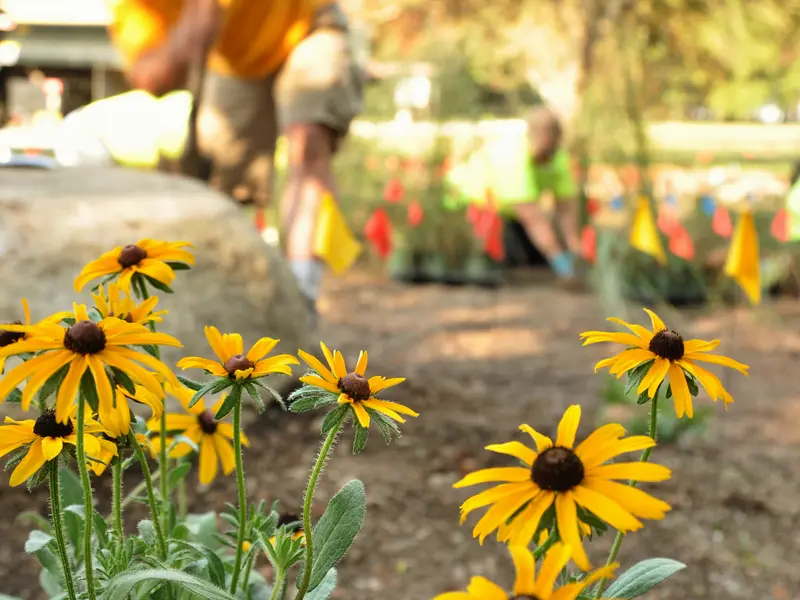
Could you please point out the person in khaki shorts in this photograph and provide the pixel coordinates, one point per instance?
(274, 67)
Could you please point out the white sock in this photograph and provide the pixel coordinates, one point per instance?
(308, 273)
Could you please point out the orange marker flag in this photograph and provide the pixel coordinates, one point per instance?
(644, 233)
(743, 263)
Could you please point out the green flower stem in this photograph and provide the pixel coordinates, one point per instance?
(312, 484)
(280, 584)
(137, 490)
(540, 551)
(58, 528)
(242, 498)
(163, 465)
(183, 504)
(151, 497)
(653, 433)
(116, 502)
(248, 568)
(88, 506)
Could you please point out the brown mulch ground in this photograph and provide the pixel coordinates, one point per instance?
(479, 363)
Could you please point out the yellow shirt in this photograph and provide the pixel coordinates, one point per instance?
(256, 37)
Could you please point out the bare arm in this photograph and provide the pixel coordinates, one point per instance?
(164, 68)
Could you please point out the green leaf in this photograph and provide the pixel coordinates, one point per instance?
(386, 426)
(336, 530)
(232, 400)
(216, 568)
(148, 532)
(275, 395)
(163, 287)
(253, 392)
(190, 383)
(178, 266)
(643, 398)
(635, 376)
(209, 388)
(124, 380)
(88, 390)
(121, 586)
(360, 439)
(335, 417)
(178, 473)
(692, 383)
(14, 396)
(310, 398)
(202, 528)
(51, 385)
(37, 540)
(71, 495)
(7, 597)
(35, 519)
(325, 588)
(642, 577)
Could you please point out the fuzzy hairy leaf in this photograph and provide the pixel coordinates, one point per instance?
(336, 530)
(642, 577)
(121, 586)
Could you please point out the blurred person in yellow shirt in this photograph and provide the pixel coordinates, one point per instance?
(274, 67)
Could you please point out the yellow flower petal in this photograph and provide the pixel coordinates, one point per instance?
(568, 529)
(554, 561)
(69, 387)
(614, 448)
(261, 348)
(515, 449)
(32, 462)
(597, 439)
(208, 460)
(320, 383)
(638, 503)
(339, 367)
(680, 392)
(658, 324)
(316, 365)
(568, 426)
(501, 511)
(491, 496)
(637, 471)
(51, 447)
(361, 365)
(525, 568)
(383, 409)
(361, 414)
(655, 375)
(215, 341)
(504, 474)
(524, 525)
(398, 408)
(377, 383)
(718, 360)
(542, 441)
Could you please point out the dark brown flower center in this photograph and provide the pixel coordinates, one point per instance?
(47, 426)
(131, 255)
(9, 337)
(207, 422)
(356, 386)
(667, 344)
(85, 337)
(557, 469)
(288, 519)
(237, 362)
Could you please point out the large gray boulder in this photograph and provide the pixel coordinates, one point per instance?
(53, 222)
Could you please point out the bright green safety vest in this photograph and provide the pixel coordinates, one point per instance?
(138, 129)
(503, 164)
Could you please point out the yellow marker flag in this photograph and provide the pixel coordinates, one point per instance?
(333, 241)
(644, 233)
(743, 262)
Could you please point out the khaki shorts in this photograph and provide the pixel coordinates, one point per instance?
(241, 119)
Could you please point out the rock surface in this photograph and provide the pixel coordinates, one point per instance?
(53, 222)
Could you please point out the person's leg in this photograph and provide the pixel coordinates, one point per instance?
(237, 130)
(317, 93)
(540, 230)
(568, 215)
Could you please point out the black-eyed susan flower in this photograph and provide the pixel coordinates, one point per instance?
(353, 388)
(233, 363)
(558, 475)
(148, 257)
(11, 337)
(212, 438)
(116, 416)
(43, 439)
(83, 346)
(527, 586)
(290, 520)
(118, 303)
(663, 352)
